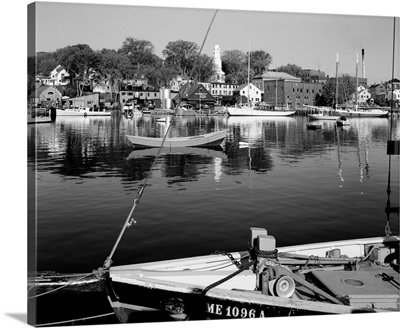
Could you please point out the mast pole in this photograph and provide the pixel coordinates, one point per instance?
(356, 81)
(248, 78)
(337, 81)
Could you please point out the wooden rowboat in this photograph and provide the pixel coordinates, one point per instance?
(339, 277)
(214, 139)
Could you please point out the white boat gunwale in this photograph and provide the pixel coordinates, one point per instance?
(189, 276)
(212, 139)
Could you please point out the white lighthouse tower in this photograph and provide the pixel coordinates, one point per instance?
(219, 74)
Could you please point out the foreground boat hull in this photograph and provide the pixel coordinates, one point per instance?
(185, 289)
(214, 139)
(217, 304)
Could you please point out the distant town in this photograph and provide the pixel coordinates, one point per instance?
(68, 85)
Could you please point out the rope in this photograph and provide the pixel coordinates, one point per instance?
(128, 221)
(219, 282)
(62, 276)
(56, 289)
(74, 320)
(254, 253)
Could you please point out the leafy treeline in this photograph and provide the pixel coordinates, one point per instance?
(135, 59)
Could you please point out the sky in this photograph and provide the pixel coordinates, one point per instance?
(306, 40)
(309, 40)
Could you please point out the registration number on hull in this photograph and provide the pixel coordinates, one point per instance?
(229, 311)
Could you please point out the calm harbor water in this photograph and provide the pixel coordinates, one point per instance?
(302, 185)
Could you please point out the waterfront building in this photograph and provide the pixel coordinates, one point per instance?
(102, 86)
(377, 89)
(177, 82)
(363, 95)
(396, 96)
(58, 76)
(248, 92)
(282, 89)
(139, 96)
(220, 90)
(347, 79)
(292, 94)
(91, 100)
(268, 76)
(46, 95)
(312, 76)
(196, 95)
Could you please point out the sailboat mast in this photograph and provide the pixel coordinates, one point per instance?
(248, 78)
(337, 81)
(356, 80)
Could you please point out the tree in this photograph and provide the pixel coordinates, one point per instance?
(291, 69)
(346, 88)
(234, 64)
(203, 69)
(260, 61)
(181, 55)
(109, 68)
(160, 76)
(45, 62)
(80, 61)
(138, 54)
(31, 74)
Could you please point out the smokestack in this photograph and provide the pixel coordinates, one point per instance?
(363, 63)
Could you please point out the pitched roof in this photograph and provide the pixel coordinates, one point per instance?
(188, 90)
(42, 88)
(272, 75)
(244, 85)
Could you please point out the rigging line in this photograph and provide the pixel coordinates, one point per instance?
(201, 49)
(54, 290)
(388, 189)
(62, 276)
(74, 320)
(393, 60)
(108, 261)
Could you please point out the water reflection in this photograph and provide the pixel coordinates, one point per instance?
(81, 146)
(284, 177)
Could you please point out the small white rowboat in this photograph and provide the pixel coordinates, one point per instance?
(214, 139)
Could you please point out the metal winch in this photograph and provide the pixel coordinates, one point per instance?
(270, 279)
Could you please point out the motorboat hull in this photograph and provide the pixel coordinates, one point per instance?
(363, 113)
(256, 112)
(81, 112)
(179, 289)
